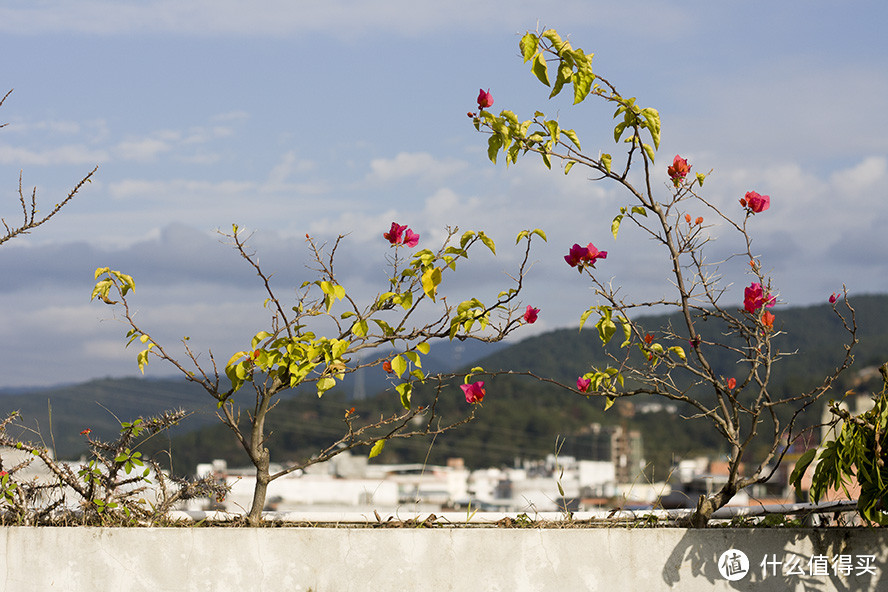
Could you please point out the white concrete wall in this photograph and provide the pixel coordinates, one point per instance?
(460, 559)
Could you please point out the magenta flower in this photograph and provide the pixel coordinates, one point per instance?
(530, 315)
(583, 384)
(582, 256)
(474, 392)
(678, 170)
(401, 235)
(754, 298)
(410, 238)
(755, 203)
(833, 298)
(485, 99)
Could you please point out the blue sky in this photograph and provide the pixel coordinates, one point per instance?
(290, 117)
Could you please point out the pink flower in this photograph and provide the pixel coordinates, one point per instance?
(754, 298)
(410, 238)
(678, 170)
(401, 235)
(755, 203)
(474, 392)
(582, 256)
(485, 99)
(530, 315)
(833, 298)
(732, 383)
(583, 384)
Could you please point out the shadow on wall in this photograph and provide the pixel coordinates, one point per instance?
(843, 559)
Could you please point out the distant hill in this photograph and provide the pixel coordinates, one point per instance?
(60, 413)
(520, 417)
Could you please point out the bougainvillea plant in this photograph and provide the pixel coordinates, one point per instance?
(291, 352)
(664, 203)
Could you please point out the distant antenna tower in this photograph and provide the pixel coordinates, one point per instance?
(360, 392)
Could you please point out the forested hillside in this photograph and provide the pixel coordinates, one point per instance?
(520, 417)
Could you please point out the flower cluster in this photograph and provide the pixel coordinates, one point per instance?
(474, 392)
(582, 256)
(755, 203)
(755, 298)
(678, 170)
(401, 235)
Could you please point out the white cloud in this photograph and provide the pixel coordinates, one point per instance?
(71, 154)
(178, 188)
(417, 164)
(142, 150)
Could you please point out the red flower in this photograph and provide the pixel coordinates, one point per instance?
(768, 320)
(401, 235)
(582, 256)
(485, 99)
(755, 203)
(754, 298)
(85, 432)
(648, 338)
(688, 218)
(732, 383)
(678, 170)
(387, 366)
(833, 298)
(699, 220)
(474, 392)
(583, 384)
(530, 315)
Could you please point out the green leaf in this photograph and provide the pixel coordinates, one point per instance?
(488, 242)
(700, 178)
(423, 347)
(795, 478)
(572, 136)
(528, 46)
(359, 328)
(606, 162)
(494, 143)
(582, 81)
(609, 401)
(639, 210)
(377, 448)
(585, 316)
(649, 151)
(399, 365)
(680, 352)
(431, 278)
(606, 328)
(652, 117)
(405, 390)
(615, 225)
(413, 357)
(540, 70)
(568, 166)
(325, 384)
(260, 336)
